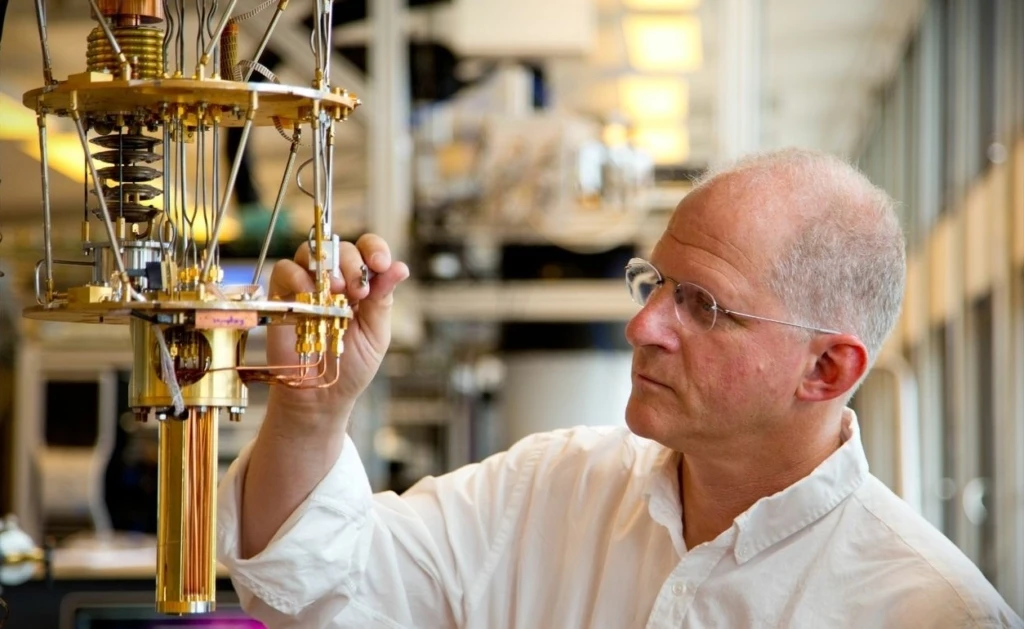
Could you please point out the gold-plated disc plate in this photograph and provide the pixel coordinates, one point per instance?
(274, 312)
(103, 97)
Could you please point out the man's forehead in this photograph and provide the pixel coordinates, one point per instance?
(729, 223)
(732, 209)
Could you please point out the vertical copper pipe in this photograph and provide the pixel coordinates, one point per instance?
(186, 566)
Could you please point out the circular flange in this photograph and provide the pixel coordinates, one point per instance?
(100, 94)
(268, 311)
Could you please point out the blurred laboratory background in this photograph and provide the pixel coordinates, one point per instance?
(517, 154)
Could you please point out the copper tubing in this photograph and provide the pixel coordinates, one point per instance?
(186, 565)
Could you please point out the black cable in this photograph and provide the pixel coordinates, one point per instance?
(3, 13)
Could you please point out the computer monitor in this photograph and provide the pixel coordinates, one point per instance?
(126, 610)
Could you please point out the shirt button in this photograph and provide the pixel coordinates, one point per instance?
(678, 589)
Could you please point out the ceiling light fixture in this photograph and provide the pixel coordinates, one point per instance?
(662, 5)
(649, 99)
(663, 43)
(666, 144)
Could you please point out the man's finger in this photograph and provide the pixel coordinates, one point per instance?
(375, 251)
(288, 278)
(352, 269)
(375, 310)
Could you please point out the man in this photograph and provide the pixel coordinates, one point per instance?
(739, 496)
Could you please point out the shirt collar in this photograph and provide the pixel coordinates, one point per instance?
(661, 489)
(773, 518)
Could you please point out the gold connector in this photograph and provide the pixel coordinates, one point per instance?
(89, 294)
(188, 275)
(305, 337)
(321, 336)
(168, 274)
(88, 78)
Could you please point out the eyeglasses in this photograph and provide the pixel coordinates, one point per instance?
(696, 308)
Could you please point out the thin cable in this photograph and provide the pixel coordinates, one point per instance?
(179, 193)
(168, 34)
(266, 4)
(330, 44)
(167, 372)
(200, 20)
(211, 28)
(200, 205)
(181, 36)
(216, 183)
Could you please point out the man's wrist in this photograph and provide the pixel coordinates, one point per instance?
(294, 414)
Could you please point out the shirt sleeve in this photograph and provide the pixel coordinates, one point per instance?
(348, 556)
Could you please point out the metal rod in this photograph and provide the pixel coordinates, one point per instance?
(277, 209)
(266, 39)
(41, 21)
(200, 200)
(318, 148)
(167, 170)
(179, 193)
(102, 19)
(329, 200)
(330, 44)
(317, 44)
(44, 161)
(180, 60)
(98, 189)
(216, 172)
(168, 35)
(205, 59)
(218, 221)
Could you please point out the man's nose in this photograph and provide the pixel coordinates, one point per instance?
(655, 323)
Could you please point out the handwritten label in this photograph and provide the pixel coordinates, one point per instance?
(209, 319)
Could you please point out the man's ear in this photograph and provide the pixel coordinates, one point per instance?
(837, 363)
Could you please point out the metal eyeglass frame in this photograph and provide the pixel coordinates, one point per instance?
(714, 302)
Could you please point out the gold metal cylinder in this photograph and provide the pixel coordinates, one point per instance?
(186, 576)
(199, 352)
(202, 361)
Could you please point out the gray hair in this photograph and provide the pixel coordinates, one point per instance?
(846, 265)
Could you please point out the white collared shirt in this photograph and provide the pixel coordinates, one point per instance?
(583, 528)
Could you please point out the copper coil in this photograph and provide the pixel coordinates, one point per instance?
(143, 47)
